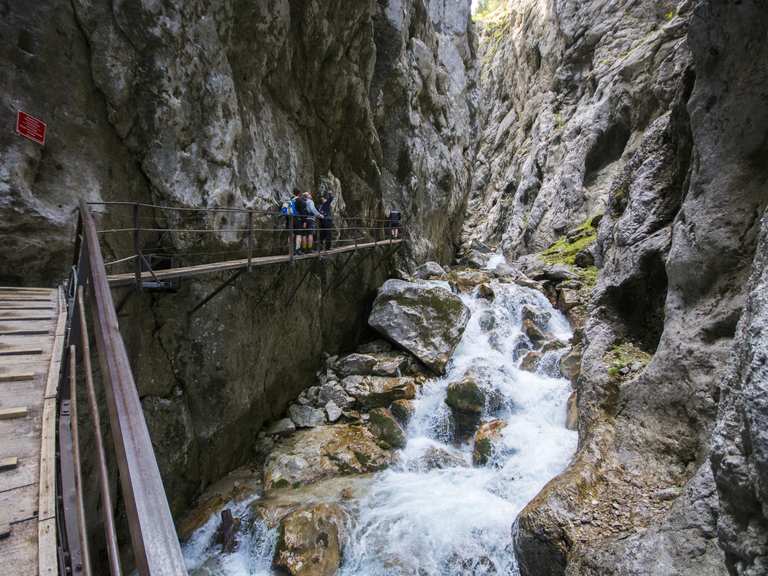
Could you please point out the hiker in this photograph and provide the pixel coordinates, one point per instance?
(393, 223)
(326, 224)
(312, 215)
(298, 208)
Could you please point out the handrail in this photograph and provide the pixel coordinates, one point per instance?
(156, 546)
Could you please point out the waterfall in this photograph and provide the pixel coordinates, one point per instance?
(454, 519)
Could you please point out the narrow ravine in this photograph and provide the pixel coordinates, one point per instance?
(435, 512)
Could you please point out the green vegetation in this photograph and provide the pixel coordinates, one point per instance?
(564, 250)
(487, 9)
(624, 355)
(669, 15)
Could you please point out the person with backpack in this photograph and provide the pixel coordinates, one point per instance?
(326, 224)
(312, 214)
(297, 209)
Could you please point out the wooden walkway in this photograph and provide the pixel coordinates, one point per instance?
(32, 324)
(123, 279)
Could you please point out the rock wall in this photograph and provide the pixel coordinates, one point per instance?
(568, 92)
(652, 490)
(232, 103)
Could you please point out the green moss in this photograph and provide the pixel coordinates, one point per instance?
(564, 251)
(588, 276)
(624, 355)
(669, 15)
(282, 483)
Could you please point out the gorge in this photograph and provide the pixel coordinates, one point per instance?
(562, 370)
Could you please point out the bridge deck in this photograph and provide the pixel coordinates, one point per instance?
(122, 279)
(32, 323)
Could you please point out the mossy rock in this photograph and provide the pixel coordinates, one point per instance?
(466, 396)
(386, 428)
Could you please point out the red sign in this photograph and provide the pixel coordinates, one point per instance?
(30, 127)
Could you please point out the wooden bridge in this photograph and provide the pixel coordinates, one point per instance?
(46, 374)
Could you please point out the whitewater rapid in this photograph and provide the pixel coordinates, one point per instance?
(455, 520)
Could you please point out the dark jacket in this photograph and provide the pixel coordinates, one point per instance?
(326, 208)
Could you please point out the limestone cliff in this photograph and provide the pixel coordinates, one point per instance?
(669, 142)
(567, 91)
(232, 103)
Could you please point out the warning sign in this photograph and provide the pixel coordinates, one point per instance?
(30, 127)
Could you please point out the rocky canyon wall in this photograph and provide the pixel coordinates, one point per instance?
(666, 140)
(232, 103)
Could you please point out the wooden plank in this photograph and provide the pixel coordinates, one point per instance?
(46, 541)
(8, 463)
(20, 299)
(17, 377)
(26, 307)
(20, 351)
(19, 504)
(47, 499)
(17, 412)
(19, 550)
(23, 332)
(19, 317)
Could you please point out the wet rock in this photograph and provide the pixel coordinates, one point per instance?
(486, 292)
(468, 280)
(467, 401)
(429, 270)
(281, 428)
(386, 428)
(535, 334)
(466, 396)
(476, 259)
(536, 315)
(306, 416)
(332, 411)
(570, 364)
(310, 541)
(486, 438)
(326, 451)
(226, 534)
(379, 391)
(572, 412)
(553, 345)
(531, 361)
(355, 364)
(402, 410)
(428, 321)
(436, 458)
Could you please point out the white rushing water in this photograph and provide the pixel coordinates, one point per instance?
(455, 520)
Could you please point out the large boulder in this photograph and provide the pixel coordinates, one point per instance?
(355, 364)
(426, 320)
(306, 416)
(311, 455)
(310, 541)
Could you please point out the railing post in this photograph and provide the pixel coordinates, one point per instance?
(250, 238)
(291, 236)
(137, 246)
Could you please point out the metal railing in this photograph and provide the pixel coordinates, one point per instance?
(242, 233)
(155, 545)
